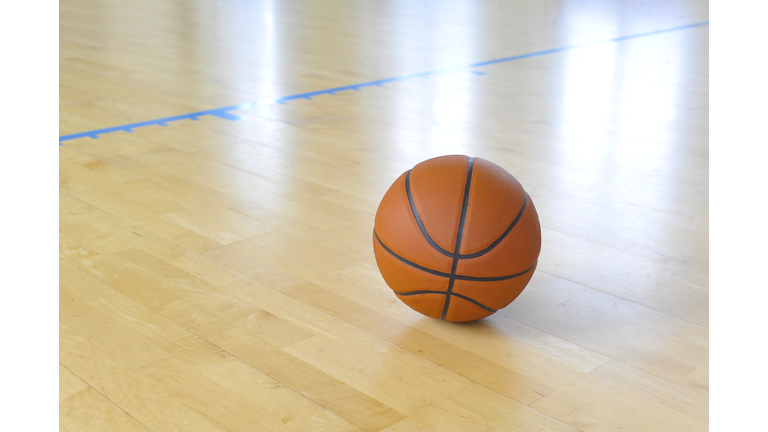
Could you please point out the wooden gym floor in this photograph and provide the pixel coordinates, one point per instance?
(221, 163)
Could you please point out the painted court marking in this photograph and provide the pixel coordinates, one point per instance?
(225, 112)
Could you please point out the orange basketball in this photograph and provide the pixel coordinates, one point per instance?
(456, 238)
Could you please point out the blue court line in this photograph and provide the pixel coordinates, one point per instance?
(225, 112)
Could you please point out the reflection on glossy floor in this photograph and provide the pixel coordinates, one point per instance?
(218, 274)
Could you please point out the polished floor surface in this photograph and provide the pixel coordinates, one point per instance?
(221, 162)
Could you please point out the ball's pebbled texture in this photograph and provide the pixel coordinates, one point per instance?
(456, 238)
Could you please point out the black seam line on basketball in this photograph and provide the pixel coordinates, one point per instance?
(437, 247)
(453, 294)
(410, 263)
(448, 275)
(459, 235)
(418, 218)
(498, 240)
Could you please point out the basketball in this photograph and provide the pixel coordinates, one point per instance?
(456, 238)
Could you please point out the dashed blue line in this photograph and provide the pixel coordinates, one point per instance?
(225, 113)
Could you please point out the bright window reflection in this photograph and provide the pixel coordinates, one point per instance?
(246, 40)
(589, 100)
(618, 101)
(433, 113)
